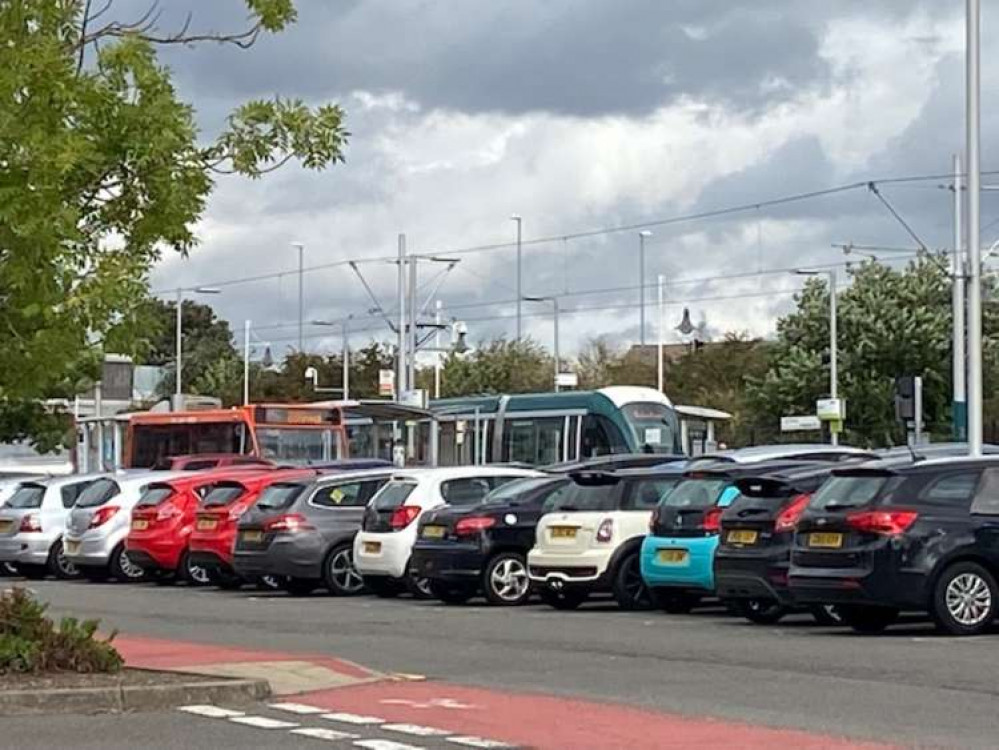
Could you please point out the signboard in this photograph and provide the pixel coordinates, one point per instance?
(386, 382)
(567, 380)
(830, 409)
(417, 398)
(800, 424)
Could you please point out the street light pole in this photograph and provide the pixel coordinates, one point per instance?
(437, 345)
(660, 329)
(555, 313)
(973, 122)
(346, 358)
(520, 227)
(400, 380)
(960, 406)
(179, 360)
(301, 295)
(246, 362)
(641, 284)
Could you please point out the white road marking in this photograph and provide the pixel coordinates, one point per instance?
(433, 703)
(385, 745)
(353, 719)
(416, 730)
(262, 722)
(325, 734)
(211, 712)
(297, 708)
(478, 742)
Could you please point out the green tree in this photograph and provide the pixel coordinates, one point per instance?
(501, 366)
(101, 170)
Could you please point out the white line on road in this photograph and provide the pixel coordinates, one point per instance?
(385, 745)
(353, 719)
(211, 712)
(478, 742)
(262, 722)
(416, 730)
(325, 734)
(297, 708)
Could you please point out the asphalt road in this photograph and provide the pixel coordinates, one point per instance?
(908, 686)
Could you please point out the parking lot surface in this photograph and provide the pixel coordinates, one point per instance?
(908, 687)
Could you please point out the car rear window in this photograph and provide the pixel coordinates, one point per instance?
(583, 498)
(695, 493)
(98, 493)
(850, 491)
(648, 493)
(513, 490)
(153, 495)
(466, 491)
(393, 494)
(279, 496)
(27, 496)
(222, 494)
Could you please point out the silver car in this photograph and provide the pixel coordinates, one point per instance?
(32, 523)
(99, 522)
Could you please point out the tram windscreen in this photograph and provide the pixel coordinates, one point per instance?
(654, 427)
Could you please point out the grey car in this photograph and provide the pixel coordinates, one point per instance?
(303, 532)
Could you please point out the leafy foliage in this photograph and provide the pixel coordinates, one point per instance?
(31, 642)
(500, 366)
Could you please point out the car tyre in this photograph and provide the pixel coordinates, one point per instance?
(563, 600)
(340, 575)
(194, 575)
(629, 588)
(124, 570)
(418, 586)
(299, 586)
(269, 583)
(760, 611)
(383, 587)
(450, 593)
(868, 620)
(59, 566)
(505, 582)
(965, 598)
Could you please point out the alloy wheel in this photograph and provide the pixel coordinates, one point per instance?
(343, 573)
(66, 568)
(634, 584)
(969, 599)
(509, 580)
(197, 574)
(130, 569)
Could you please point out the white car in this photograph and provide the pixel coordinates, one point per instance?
(32, 523)
(383, 547)
(99, 522)
(590, 540)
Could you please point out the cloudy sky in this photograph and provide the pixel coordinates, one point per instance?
(581, 115)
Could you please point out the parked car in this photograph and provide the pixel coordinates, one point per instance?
(677, 557)
(202, 461)
(163, 519)
(613, 461)
(879, 539)
(465, 550)
(94, 540)
(214, 536)
(383, 547)
(303, 531)
(589, 540)
(32, 523)
(799, 451)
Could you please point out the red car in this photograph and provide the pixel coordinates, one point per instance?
(214, 535)
(203, 461)
(164, 517)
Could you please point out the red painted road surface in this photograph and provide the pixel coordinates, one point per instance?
(538, 721)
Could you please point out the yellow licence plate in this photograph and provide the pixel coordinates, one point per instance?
(252, 536)
(434, 532)
(563, 532)
(742, 536)
(206, 524)
(71, 548)
(831, 541)
(140, 524)
(5, 526)
(372, 548)
(672, 556)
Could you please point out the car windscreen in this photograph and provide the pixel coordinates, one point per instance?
(97, 494)
(850, 491)
(27, 496)
(696, 493)
(511, 491)
(222, 494)
(153, 495)
(393, 494)
(583, 498)
(279, 496)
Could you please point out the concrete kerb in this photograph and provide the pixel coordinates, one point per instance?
(121, 698)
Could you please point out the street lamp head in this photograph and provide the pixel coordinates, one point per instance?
(645, 233)
(804, 272)
(322, 323)
(207, 290)
(516, 217)
(536, 299)
(299, 245)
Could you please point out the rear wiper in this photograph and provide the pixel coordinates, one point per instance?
(838, 506)
(569, 508)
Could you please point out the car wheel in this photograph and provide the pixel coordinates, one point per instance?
(869, 620)
(964, 599)
(59, 566)
(827, 614)
(418, 586)
(505, 581)
(269, 583)
(382, 587)
(630, 589)
(339, 573)
(676, 602)
(564, 600)
(449, 593)
(194, 575)
(225, 579)
(32, 572)
(8, 569)
(123, 569)
(299, 586)
(760, 611)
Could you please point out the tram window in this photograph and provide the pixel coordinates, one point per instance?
(601, 437)
(534, 441)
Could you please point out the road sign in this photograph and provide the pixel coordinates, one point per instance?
(567, 380)
(386, 382)
(830, 409)
(800, 424)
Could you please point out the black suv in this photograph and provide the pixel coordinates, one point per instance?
(878, 539)
(465, 550)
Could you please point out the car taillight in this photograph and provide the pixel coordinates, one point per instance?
(403, 516)
(888, 522)
(605, 531)
(788, 517)
(237, 510)
(473, 525)
(102, 516)
(712, 520)
(31, 523)
(289, 522)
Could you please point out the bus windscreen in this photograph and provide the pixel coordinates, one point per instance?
(152, 444)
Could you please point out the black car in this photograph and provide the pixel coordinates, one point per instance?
(878, 539)
(754, 551)
(483, 548)
(303, 532)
